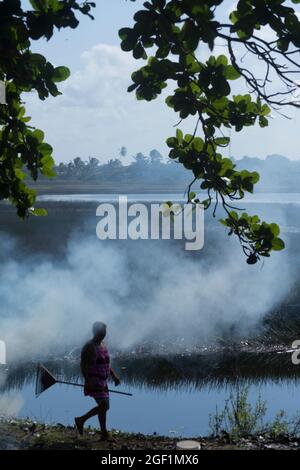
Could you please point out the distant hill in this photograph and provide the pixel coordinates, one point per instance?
(277, 173)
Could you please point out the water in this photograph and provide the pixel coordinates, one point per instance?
(174, 412)
(180, 409)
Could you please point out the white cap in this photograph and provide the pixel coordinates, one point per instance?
(188, 445)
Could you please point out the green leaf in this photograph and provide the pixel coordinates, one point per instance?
(255, 177)
(47, 161)
(275, 229)
(222, 60)
(38, 59)
(263, 122)
(188, 138)
(39, 212)
(172, 142)
(233, 17)
(124, 33)
(139, 52)
(45, 149)
(61, 74)
(231, 73)
(234, 215)
(39, 135)
(222, 141)
(49, 172)
(278, 244)
(39, 5)
(265, 110)
(283, 44)
(179, 136)
(20, 174)
(198, 144)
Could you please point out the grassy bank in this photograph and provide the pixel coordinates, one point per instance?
(29, 435)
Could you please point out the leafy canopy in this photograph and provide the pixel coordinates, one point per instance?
(22, 146)
(175, 32)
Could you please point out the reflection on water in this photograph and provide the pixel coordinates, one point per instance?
(172, 394)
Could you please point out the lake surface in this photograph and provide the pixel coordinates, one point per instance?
(180, 408)
(179, 412)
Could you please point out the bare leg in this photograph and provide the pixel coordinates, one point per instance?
(82, 419)
(102, 411)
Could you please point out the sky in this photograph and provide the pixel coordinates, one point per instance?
(96, 116)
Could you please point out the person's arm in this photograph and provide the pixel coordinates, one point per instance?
(88, 357)
(115, 378)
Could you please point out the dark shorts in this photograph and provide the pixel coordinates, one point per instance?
(100, 401)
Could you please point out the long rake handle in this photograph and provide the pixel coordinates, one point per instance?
(80, 385)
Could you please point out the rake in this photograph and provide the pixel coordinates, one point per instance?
(45, 380)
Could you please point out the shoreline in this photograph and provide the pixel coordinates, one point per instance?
(70, 187)
(18, 434)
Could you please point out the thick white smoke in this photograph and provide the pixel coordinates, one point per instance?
(141, 290)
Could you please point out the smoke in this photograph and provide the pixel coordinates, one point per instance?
(143, 290)
(10, 405)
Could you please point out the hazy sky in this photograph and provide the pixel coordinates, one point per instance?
(96, 116)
